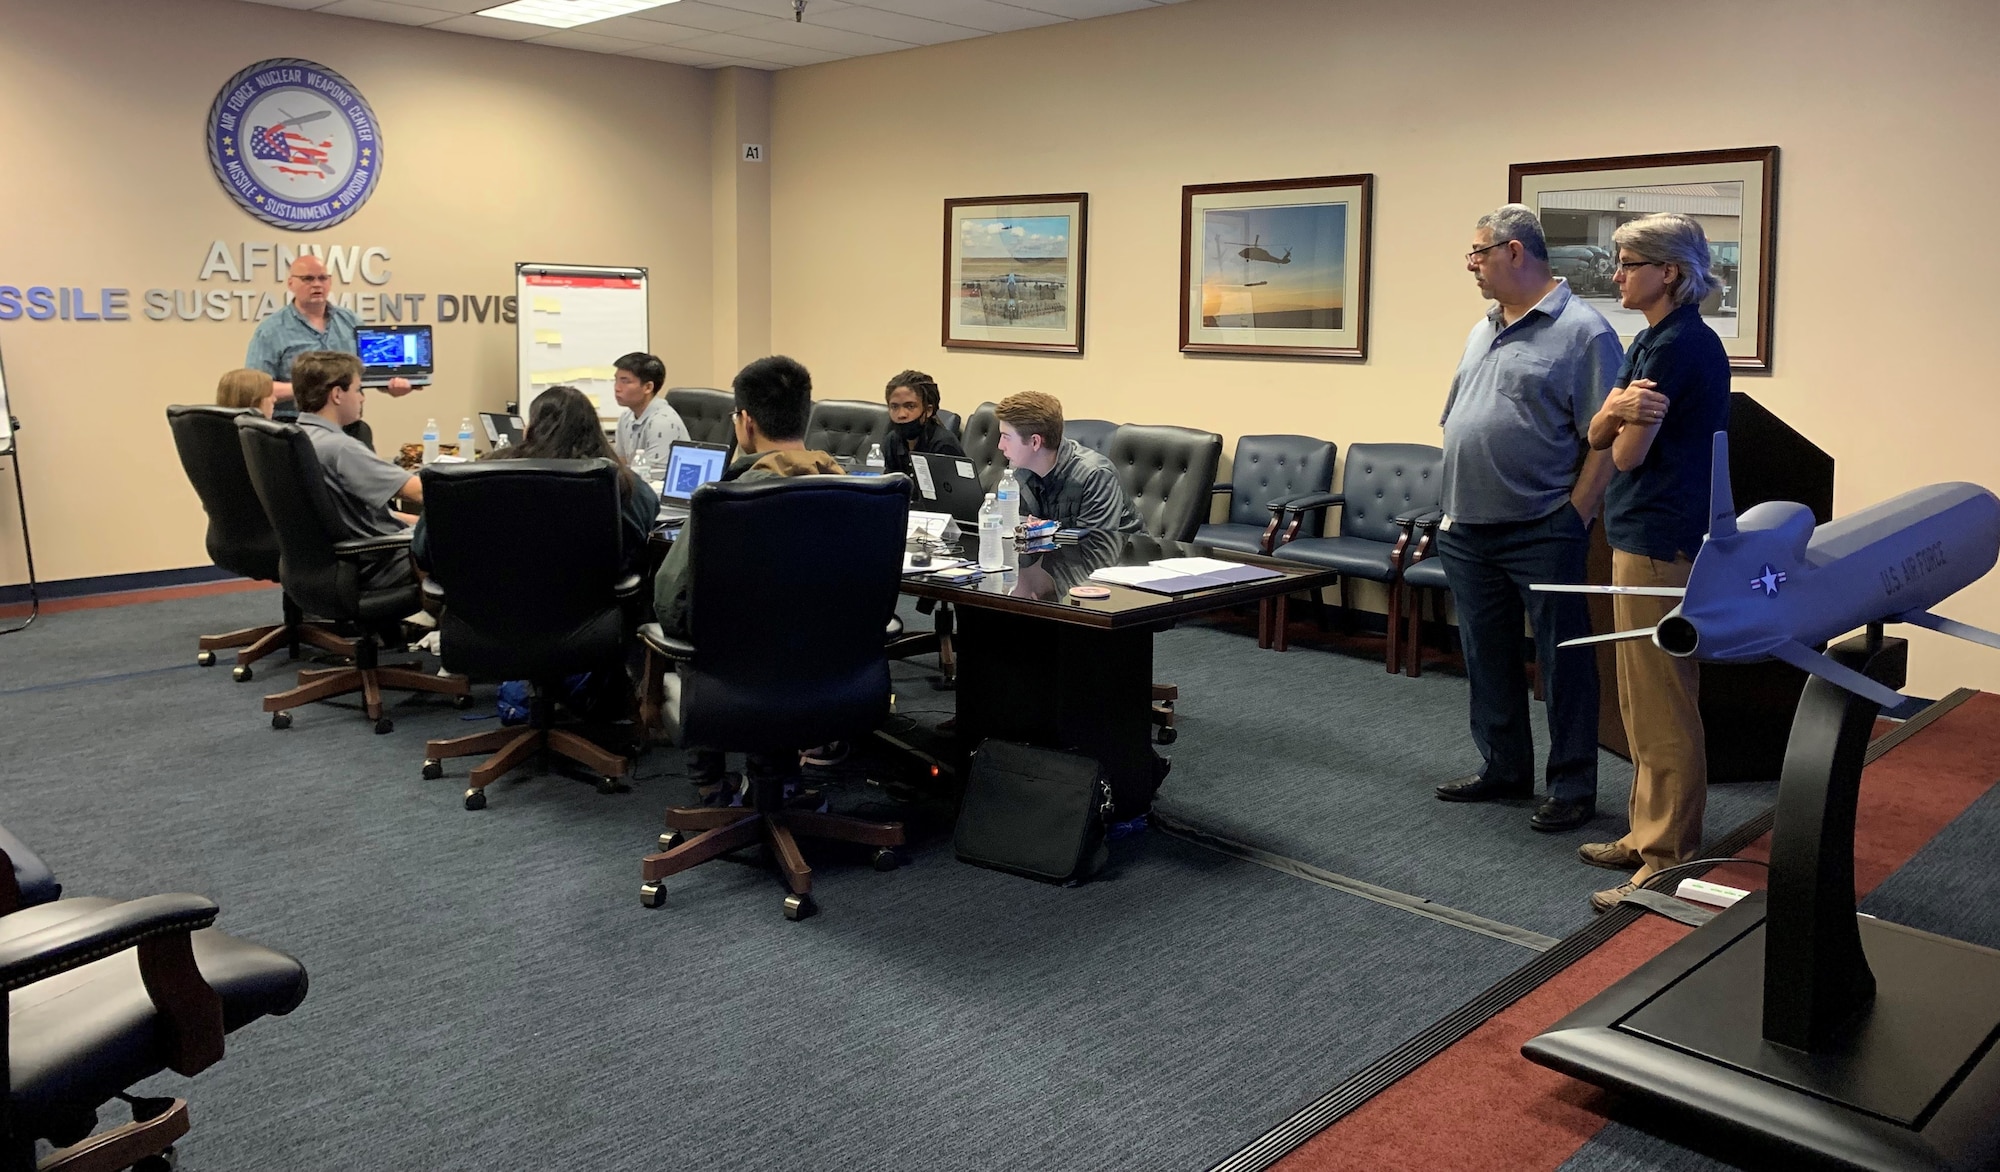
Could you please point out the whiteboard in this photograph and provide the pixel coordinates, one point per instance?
(6, 420)
(573, 322)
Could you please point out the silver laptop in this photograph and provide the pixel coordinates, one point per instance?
(689, 466)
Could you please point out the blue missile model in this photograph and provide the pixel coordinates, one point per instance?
(1769, 585)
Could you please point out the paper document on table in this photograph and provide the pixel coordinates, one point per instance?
(931, 525)
(932, 566)
(1127, 575)
(1194, 565)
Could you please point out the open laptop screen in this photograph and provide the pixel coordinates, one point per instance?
(689, 466)
(399, 351)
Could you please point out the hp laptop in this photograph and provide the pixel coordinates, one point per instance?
(502, 430)
(394, 352)
(689, 466)
(947, 484)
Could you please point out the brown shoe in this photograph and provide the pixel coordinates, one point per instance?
(1604, 901)
(1612, 856)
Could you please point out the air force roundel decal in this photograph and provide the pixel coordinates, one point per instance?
(294, 143)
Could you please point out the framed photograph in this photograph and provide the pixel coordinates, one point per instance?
(1278, 267)
(1013, 272)
(1734, 196)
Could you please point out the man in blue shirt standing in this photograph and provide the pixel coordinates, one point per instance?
(309, 322)
(1521, 486)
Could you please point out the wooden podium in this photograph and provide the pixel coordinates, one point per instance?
(1746, 709)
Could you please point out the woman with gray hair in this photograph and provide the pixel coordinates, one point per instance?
(1659, 422)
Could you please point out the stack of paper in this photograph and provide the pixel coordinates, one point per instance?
(1184, 575)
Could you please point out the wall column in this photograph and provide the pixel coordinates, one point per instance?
(742, 219)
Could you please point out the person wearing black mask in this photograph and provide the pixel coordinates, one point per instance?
(913, 408)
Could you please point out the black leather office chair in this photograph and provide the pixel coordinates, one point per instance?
(239, 537)
(705, 411)
(1382, 483)
(527, 561)
(1169, 472)
(1094, 434)
(102, 994)
(848, 427)
(952, 422)
(981, 440)
(780, 662)
(326, 573)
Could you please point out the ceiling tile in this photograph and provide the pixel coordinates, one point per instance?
(697, 15)
(780, 9)
(895, 26)
(289, 3)
(984, 15)
(588, 42)
(487, 26)
(729, 44)
(840, 42)
(682, 55)
(1081, 9)
(384, 11)
(647, 32)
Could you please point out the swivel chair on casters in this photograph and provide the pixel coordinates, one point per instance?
(331, 576)
(527, 558)
(779, 662)
(239, 537)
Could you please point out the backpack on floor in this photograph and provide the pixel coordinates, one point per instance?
(1039, 813)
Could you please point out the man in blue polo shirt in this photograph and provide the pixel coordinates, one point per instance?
(1521, 486)
(308, 322)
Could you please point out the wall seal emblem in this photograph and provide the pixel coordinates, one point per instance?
(295, 144)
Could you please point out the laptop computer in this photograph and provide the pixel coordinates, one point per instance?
(947, 484)
(689, 466)
(502, 430)
(394, 352)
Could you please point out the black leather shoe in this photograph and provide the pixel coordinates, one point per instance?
(1553, 815)
(1477, 789)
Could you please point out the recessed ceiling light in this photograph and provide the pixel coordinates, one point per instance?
(567, 13)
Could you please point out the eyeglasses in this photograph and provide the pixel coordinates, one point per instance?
(1473, 256)
(1626, 266)
(322, 279)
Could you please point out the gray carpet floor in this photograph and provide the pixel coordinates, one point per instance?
(488, 993)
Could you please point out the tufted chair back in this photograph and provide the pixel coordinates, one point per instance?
(847, 427)
(982, 445)
(1277, 467)
(1169, 473)
(1091, 433)
(706, 412)
(1384, 481)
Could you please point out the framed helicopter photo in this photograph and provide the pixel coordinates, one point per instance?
(1278, 267)
(1013, 272)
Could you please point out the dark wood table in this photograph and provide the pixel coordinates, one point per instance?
(1039, 667)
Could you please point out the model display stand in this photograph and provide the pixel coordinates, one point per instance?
(1805, 1031)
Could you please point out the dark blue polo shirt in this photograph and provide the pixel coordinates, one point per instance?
(1660, 509)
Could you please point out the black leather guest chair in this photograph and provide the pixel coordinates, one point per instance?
(1169, 472)
(705, 411)
(1094, 434)
(777, 663)
(952, 423)
(326, 572)
(240, 538)
(102, 994)
(527, 560)
(1382, 482)
(848, 427)
(981, 440)
(1267, 470)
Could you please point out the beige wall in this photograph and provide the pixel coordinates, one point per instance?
(493, 153)
(1879, 311)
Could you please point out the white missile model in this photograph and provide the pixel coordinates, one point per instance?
(1768, 585)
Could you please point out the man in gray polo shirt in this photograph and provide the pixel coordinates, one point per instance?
(327, 385)
(1521, 487)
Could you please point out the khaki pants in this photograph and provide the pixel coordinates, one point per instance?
(1658, 695)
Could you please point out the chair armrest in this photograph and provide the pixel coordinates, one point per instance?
(656, 639)
(355, 547)
(99, 934)
(1220, 489)
(627, 586)
(1291, 512)
(1311, 500)
(1421, 517)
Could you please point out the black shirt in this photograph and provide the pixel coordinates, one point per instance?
(935, 439)
(1660, 509)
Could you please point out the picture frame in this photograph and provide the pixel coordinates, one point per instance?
(1306, 299)
(1734, 195)
(1014, 269)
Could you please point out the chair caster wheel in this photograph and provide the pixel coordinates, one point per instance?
(384, 725)
(671, 839)
(1168, 736)
(652, 895)
(242, 673)
(281, 719)
(475, 799)
(461, 702)
(887, 859)
(205, 658)
(799, 907)
(433, 769)
(612, 785)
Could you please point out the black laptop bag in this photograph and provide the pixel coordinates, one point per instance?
(1034, 812)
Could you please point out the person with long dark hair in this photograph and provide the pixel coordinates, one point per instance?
(913, 408)
(562, 425)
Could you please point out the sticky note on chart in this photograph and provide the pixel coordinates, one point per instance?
(547, 304)
(548, 337)
(549, 378)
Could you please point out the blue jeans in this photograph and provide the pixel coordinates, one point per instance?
(1490, 568)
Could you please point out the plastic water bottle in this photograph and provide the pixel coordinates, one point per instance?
(642, 464)
(465, 438)
(430, 441)
(876, 464)
(1009, 499)
(992, 555)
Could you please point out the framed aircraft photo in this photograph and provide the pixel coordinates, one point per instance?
(1733, 194)
(1278, 267)
(1013, 272)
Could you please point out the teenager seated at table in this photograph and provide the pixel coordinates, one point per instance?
(247, 388)
(327, 387)
(562, 425)
(1061, 480)
(913, 408)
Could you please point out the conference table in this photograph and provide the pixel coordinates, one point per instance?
(1040, 667)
